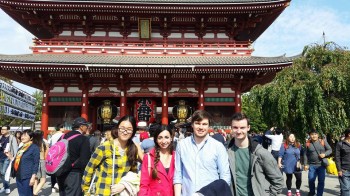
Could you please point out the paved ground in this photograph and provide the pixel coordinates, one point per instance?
(331, 188)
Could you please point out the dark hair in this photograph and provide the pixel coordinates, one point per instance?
(278, 131)
(38, 140)
(239, 116)
(153, 128)
(20, 134)
(296, 143)
(347, 132)
(159, 130)
(7, 127)
(59, 126)
(199, 115)
(132, 149)
(29, 132)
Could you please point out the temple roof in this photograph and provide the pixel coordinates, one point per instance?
(168, 1)
(135, 61)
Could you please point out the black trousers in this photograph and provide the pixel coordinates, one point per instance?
(297, 182)
(70, 184)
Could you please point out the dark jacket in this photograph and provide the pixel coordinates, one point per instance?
(79, 151)
(342, 156)
(29, 163)
(312, 151)
(216, 188)
(266, 178)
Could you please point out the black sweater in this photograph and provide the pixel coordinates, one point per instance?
(342, 155)
(79, 151)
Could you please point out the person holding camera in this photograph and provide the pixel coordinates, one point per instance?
(289, 162)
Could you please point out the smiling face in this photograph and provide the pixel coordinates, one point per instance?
(25, 138)
(125, 130)
(240, 129)
(164, 139)
(201, 128)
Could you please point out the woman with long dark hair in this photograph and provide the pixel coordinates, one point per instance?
(40, 179)
(158, 166)
(289, 161)
(126, 157)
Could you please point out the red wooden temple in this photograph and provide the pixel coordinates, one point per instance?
(88, 51)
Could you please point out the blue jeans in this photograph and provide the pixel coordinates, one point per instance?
(345, 183)
(320, 172)
(4, 163)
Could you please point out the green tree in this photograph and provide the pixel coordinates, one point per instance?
(251, 109)
(313, 93)
(38, 95)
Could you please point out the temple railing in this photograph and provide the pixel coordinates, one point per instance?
(143, 48)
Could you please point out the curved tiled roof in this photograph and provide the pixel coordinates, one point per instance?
(88, 59)
(174, 1)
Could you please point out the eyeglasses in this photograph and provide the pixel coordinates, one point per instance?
(122, 130)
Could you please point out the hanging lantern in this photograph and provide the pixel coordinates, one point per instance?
(182, 111)
(145, 110)
(107, 112)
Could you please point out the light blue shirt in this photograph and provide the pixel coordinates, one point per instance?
(198, 165)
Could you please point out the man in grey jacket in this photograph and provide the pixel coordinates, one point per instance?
(316, 149)
(262, 172)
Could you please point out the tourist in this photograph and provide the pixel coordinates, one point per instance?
(126, 157)
(26, 164)
(261, 176)
(200, 159)
(315, 150)
(79, 152)
(276, 141)
(8, 143)
(18, 135)
(342, 160)
(40, 177)
(53, 140)
(289, 162)
(158, 166)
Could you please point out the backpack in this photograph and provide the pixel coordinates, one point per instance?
(320, 140)
(57, 161)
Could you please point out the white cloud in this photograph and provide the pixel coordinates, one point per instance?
(301, 25)
(14, 38)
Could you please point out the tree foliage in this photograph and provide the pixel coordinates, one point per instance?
(313, 93)
(38, 95)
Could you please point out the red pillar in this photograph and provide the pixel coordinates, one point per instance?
(85, 105)
(238, 101)
(165, 120)
(201, 95)
(123, 104)
(94, 117)
(45, 113)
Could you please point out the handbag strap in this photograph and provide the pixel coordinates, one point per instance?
(113, 162)
(92, 182)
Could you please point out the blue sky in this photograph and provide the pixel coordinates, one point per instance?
(301, 24)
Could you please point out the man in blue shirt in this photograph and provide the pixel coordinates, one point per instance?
(200, 159)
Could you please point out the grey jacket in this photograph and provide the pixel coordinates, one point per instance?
(266, 178)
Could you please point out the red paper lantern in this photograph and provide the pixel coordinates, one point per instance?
(145, 110)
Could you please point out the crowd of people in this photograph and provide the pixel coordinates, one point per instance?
(134, 158)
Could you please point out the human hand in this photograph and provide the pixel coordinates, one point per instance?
(306, 167)
(32, 180)
(340, 173)
(322, 156)
(117, 188)
(280, 165)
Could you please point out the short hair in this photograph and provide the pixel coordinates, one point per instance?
(239, 116)
(199, 115)
(347, 132)
(7, 127)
